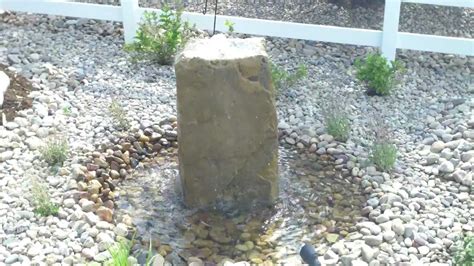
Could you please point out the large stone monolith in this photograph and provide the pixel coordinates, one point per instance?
(227, 124)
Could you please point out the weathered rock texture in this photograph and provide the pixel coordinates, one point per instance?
(227, 124)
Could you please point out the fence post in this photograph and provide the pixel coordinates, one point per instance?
(130, 19)
(391, 18)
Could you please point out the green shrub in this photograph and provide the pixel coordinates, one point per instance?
(55, 151)
(230, 26)
(119, 115)
(159, 38)
(338, 125)
(282, 78)
(384, 155)
(41, 200)
(464, 255)
(378, 73)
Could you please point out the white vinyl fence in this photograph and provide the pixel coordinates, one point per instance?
(388, 40)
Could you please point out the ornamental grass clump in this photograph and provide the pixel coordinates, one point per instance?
(383, 152)
(464, 255)
(119, 253)
(283, 79)
(119, 115)
(379, 74)
(41, 200)
(160, 37)
(338, 126)
(55, 152)
(336, 120)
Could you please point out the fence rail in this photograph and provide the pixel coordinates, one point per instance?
(388, 40)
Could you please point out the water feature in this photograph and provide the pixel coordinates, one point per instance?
(316, 204)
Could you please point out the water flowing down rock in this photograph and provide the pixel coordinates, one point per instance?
(4, 83)
(227, 123)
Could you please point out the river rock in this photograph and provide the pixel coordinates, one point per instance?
(227, 123)
(446, 167)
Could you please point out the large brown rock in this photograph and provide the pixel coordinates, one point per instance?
(227, 124)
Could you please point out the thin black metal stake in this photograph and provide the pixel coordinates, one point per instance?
(205, 8)
(215, 17)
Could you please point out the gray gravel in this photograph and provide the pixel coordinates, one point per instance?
(414, 214)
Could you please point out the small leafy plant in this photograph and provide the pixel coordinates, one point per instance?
(383, 152)
(282, 78)
(41, 200)
(464, 255)
(67, 110)
(119, 115)
(379, 74)
(230, 26)
(55, 152)
(159, 37)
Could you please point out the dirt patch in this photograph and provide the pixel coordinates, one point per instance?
(16, 97)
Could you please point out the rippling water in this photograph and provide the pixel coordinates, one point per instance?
(316, 205)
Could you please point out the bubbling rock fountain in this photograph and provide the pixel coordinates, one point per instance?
(227, 123)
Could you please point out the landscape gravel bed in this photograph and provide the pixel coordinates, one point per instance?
(413, 214)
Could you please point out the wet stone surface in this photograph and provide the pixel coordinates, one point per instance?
(315, 205)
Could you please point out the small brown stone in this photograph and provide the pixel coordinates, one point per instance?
(105, 191)
(126, 146)
(80, 195)
(156, 147)
(164, 250)
(114, 165)
(99, 202)
(109, 204)
(90, 175)
(118, 159)
(144, 138)
(114, 174)
(101, 162)
(117, 153)
(126, 157)
(94, 197)
(105, 214)
(94, 187)
(92, 167)
(82, 186)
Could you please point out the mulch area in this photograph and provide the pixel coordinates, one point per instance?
(16, 97)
